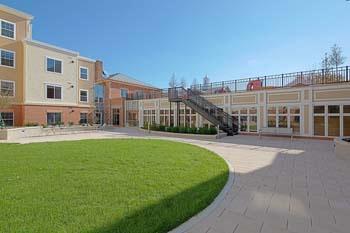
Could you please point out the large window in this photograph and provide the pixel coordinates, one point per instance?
(334, 120)
(331, 120)
(124, 93)
(54, 118)
(7, 88)
(53, 65)
(8, 29)
(284, 117)
(247, 119)
(53, 92)
(84, 73)
(149, 117)
(83, 118)
(7, 58)
(84, 96)
(164, 117)
(6, 118)
(346, 120)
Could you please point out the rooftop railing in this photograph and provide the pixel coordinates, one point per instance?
(287, 80)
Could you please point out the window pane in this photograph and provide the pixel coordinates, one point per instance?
(7, 29)
(333, 109)
(243, 123)
(83, 118)
(7, 58)
(333, 126)
(235, 112)
(50, 92)
(7, 88)
(58, 66)
(50, 64)
(83, 96)
(318, 109)
(58, 94)
(283, 110)
(244, 111)
(346, 108)
(271, 121)
(253, 122)
(7, 118)
(295, 124)
(346, 125)
(282, 121)
(319, 126)
(252, 111)
(294, 110)
(271, 110)
(83, 73)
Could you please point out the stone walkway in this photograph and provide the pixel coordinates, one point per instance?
(279, 186)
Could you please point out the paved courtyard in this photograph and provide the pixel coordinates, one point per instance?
(279, 185)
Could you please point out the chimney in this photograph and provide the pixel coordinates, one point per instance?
(98, 71)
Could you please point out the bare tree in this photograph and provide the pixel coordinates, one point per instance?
(173, 81)
(325, 62)
(194, 84)
(336, 57)
(183, 82)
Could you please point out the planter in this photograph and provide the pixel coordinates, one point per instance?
(37, 131)
(185, 135)
(342, 148)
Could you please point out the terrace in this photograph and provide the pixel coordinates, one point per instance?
(286, 80)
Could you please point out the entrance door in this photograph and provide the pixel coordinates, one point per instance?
(115, 116)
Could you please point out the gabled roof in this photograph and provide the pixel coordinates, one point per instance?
(127, 79)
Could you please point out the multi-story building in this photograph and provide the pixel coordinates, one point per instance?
(41, 83)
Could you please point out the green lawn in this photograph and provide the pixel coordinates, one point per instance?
(122, 186)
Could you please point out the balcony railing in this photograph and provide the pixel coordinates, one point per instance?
(287, 80)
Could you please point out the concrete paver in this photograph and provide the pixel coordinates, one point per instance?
(280, 186)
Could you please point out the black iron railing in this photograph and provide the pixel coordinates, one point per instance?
(287, 80)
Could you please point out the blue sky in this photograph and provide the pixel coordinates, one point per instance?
(227, 39)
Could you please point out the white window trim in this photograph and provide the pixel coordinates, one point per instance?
(14, 59)
(83, 67)
(14, 28)
(55, 85)
(57, 59)
(87, 95)
(14, 87)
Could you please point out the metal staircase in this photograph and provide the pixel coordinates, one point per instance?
(214, 114)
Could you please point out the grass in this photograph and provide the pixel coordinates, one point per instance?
(122, 186)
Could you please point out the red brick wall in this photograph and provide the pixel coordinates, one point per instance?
(37, 114)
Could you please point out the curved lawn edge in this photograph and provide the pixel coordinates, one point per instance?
(194, 220)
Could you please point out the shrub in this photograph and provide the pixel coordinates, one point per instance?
(182, 129)
(213, 130)
(161, 128)
(193, 130)
(175, 129)
(203, 130)
(29, 124)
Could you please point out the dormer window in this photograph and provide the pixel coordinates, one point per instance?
(8, 29)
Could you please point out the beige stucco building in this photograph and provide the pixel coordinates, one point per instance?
(41, 83)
